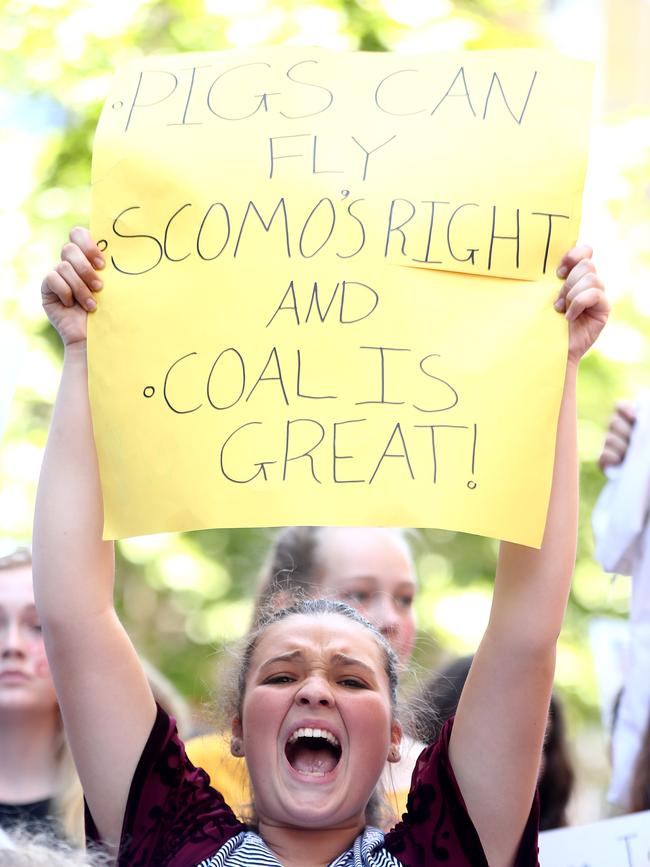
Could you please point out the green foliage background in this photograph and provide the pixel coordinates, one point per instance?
(181, 596)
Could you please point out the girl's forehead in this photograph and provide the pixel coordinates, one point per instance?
(16, 588)
(324, 634)
(374, 552)
(351, 539)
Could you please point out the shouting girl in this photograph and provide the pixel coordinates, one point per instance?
(315, 719)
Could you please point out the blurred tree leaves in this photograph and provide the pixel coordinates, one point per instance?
(180, 595)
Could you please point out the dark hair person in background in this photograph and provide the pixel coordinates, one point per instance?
(437, 702)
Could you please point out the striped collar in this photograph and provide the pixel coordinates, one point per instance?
(249, 850)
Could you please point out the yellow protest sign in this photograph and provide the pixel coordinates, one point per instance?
(329, 284)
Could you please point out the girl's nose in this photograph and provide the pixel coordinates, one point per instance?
(12, 643)
(315, 691)
(384, 615)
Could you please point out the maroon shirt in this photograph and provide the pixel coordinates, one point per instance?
(174, 818)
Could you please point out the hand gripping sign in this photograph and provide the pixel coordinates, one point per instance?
(329, 284)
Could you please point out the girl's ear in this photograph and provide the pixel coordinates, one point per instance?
(237, 738)
(394, 754)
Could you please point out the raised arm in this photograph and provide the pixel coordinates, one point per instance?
(105, 699)
(498, 733)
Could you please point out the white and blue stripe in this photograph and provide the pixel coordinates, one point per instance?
(249, 850)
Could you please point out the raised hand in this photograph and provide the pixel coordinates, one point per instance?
(618, 435)
(67, 291)
(582, 299)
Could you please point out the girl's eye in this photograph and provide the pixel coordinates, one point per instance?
(279, 679)
(36, 627)
(358, 596)
(405, 601)
(353, 683)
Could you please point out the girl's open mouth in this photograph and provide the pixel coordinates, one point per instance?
(313, 752)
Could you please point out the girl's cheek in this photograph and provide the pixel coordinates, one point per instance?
(42, 669)
(408, 637)
(37, 653)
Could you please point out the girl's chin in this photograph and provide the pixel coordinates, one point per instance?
(316, 811)
(22, 700)
(317, 818)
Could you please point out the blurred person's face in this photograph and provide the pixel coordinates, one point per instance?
(371, 569)
(25, 681)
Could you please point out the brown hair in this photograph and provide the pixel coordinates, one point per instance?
(289, 572)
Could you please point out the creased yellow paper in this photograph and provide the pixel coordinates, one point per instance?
(329, 289)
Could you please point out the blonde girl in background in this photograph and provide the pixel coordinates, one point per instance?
(39, 785)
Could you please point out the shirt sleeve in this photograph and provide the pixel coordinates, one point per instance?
(436, 828)
(173, 816)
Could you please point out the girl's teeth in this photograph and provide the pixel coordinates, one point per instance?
(314, 733)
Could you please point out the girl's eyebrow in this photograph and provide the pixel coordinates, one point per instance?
(344, 659)
(360, 576)
(290, 656)
(337, 659)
